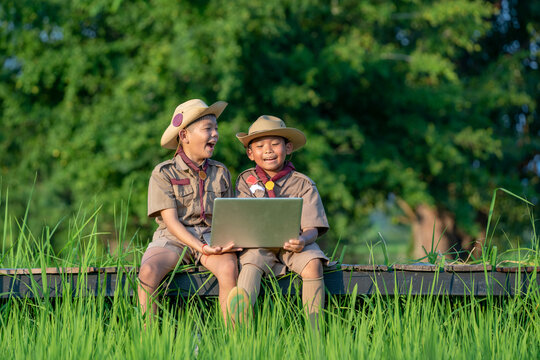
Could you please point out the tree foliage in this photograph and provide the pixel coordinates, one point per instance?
(431, 102)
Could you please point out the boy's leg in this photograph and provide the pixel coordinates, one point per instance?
(155, 264)
(313, 289)
(308, 263)
(225, 268)
(255, 263)
(250, 280)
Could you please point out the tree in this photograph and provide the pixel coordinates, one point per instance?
(410, 103)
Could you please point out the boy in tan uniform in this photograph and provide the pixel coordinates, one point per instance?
(267, 143)
(181, 194)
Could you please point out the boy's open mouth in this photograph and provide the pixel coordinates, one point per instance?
(270, 158)
(211, 145)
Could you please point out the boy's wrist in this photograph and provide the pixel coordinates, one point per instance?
(308, 236)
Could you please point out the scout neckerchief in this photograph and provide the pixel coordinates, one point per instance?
(269, 184)
(201, 173)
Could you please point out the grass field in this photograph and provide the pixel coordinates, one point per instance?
(404, 327)
(352, 327)
(400, 327)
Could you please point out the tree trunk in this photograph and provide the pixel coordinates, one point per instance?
(435, 230)
(432, 231)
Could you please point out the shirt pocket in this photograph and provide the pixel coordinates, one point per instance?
(215, 190)
(184, 194)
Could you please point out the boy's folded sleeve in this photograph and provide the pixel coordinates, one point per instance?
(313, 214)
(160, 194)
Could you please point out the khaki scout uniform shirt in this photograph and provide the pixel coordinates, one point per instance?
(294, 184)
(184, 195)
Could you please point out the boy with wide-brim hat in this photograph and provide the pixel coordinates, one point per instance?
(181, 194)
(267, 143)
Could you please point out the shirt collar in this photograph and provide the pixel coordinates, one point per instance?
(181, 165)
(279, 182)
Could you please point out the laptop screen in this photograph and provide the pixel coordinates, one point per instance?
(255, 222)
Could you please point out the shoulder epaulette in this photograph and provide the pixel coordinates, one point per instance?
(163, 164)
(302, 176)
(245, 171)
(216, 163)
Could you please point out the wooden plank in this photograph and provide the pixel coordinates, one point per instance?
(417, 267)
(467, 268)
(72, 284)
(356, 267)
(345, 267)
(384, 283)
(337, 282)
(63, 270)
(513, 269)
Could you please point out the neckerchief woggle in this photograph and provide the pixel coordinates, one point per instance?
(270, 183)
(201, 173)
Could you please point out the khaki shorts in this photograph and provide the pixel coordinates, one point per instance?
(277, 261)
(163, 239)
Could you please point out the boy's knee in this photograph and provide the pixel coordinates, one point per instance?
(253, 267)
(147, 272)
(261, 258)
(228, 269)
(313, 269)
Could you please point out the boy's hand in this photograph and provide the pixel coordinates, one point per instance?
(307, 237)
(218, 250)
(295, 245)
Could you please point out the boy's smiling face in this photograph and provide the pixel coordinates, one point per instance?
(269, 153)
(199, 139)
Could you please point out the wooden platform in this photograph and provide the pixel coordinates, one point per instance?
(403, 279)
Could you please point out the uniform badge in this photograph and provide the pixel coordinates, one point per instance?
(252, 180)
(256, 187)
(177, 120)
(269, 185)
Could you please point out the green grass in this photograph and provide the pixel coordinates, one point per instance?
(82, 242)
(401, 327)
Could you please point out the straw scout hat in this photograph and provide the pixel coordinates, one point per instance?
(185, 114)
(267, 125)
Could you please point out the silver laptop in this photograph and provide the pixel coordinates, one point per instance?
(255, 222)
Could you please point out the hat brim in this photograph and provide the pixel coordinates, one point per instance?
(295, 136)
(169, 139)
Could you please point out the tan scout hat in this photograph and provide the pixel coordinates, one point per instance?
(185, 114)
(268, 125)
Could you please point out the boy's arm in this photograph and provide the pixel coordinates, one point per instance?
(307, 237)
(313, 214)
(160, 193)
(313, 220)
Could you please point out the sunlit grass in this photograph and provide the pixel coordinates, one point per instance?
(398, 327)
(82, 242)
